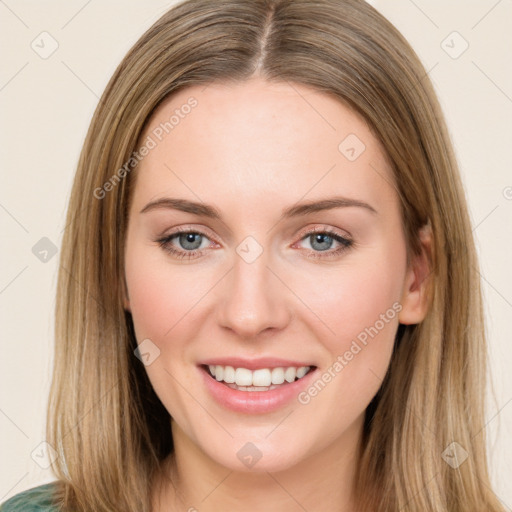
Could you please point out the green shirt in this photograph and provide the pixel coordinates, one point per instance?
(37, 499)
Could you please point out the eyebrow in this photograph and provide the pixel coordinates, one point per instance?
(297, 210)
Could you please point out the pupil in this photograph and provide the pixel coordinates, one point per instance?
(323, 238)
(190, 238)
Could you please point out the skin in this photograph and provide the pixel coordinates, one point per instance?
(251, 150)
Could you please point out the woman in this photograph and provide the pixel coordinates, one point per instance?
(211, 352)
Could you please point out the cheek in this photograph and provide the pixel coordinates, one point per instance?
(354, 297)
(359, 303)
(162, 303)
(153, 302)
(365, 298)
(160, 297)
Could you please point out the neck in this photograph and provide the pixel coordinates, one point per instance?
(192, 481)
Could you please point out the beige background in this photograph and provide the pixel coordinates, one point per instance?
(47, 104)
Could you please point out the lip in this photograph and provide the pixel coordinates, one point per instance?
(255, 402)
(255, 363)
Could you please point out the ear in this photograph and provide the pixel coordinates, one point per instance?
(414, 294)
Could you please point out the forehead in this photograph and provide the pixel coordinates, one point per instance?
(257, 140)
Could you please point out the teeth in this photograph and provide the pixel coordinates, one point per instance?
(251, 388)
(302, 371)
(277, 376)
(289, 374)
(261, 378)
(229, 374)
(243, 377)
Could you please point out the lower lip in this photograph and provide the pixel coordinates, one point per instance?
(255, 402)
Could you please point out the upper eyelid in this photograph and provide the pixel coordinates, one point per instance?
(323, 228)
(201, 231)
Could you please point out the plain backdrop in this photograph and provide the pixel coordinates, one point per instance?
(57, 58)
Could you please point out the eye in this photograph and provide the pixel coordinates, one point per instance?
(189, 243)
(321, 241)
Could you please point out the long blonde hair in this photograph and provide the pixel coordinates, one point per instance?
(109, 428)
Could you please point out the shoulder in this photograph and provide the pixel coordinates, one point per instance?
(37, 499)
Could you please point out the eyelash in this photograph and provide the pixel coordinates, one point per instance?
(346, 244)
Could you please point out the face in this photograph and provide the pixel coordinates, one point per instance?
(256, 285)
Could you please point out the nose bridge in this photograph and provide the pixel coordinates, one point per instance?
(253, 297)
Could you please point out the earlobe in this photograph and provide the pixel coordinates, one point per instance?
(415, 301)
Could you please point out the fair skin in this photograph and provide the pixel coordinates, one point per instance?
(252, 150)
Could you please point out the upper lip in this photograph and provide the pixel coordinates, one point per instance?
(254, 363)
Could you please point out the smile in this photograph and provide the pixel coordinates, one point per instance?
(256, 391)
(262, 379)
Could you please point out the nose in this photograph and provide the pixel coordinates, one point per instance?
(253, 299)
